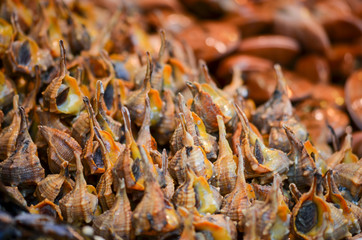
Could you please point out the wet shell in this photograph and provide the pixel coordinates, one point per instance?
(196, 127)
(279, 49)
(219, 226)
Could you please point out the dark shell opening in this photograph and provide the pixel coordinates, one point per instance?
(307, 217)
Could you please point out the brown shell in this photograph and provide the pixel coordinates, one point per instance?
(63, 94)
(154, 214)
(167, 124)
(334, 196)
(272, 217)
(188, 232)
(15, 193)
(23, 166)
(190, 154)
(106, 122)
(279, 140)
(168, 187)
(144, 135)
(136, 100)
(289, 19)
(105, 194)
(184, 195)
(264, 162)
(345, 153)
(9, 134)
(50, 186)
(349, 175)
(23, 45)
(214, 39)
(117, 220)
(302, 171)
(277, 108)
(217, 225)
(78, 205)
(315, 116)
(261, 85)
(241, 197)
(80, 128)
(311, 217)
(61, 147)
(7, 90)
(196, 128)
(315, 68)
(245, 63)
(224, 167)
(128, 164)
(47, 207)
(208, 102)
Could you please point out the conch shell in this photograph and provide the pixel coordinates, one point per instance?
(9, 134)
(79, 205)
(242, 197)
(51, 186)
(196, 127)
(209, 102)
(23, 166)
(271, 219)
(225, 165)
(47, 207)
(311, 217)
(63, 94)
(61, 148)
(191, 155)
(334, 196)
(117, 220)
(277, 108)
(154, 214)
(303, 169)
(184, 195)
(265, 162)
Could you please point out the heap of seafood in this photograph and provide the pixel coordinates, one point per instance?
(150, 120)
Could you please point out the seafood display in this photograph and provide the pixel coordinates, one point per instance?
(169, 119)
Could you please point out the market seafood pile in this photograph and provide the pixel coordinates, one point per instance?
(113, 126)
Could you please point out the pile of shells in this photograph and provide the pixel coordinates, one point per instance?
(110, 126)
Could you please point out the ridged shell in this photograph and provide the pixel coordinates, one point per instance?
(117, 220)
(61, 147)
(225, 166)
(79, 205)
(23, 166)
